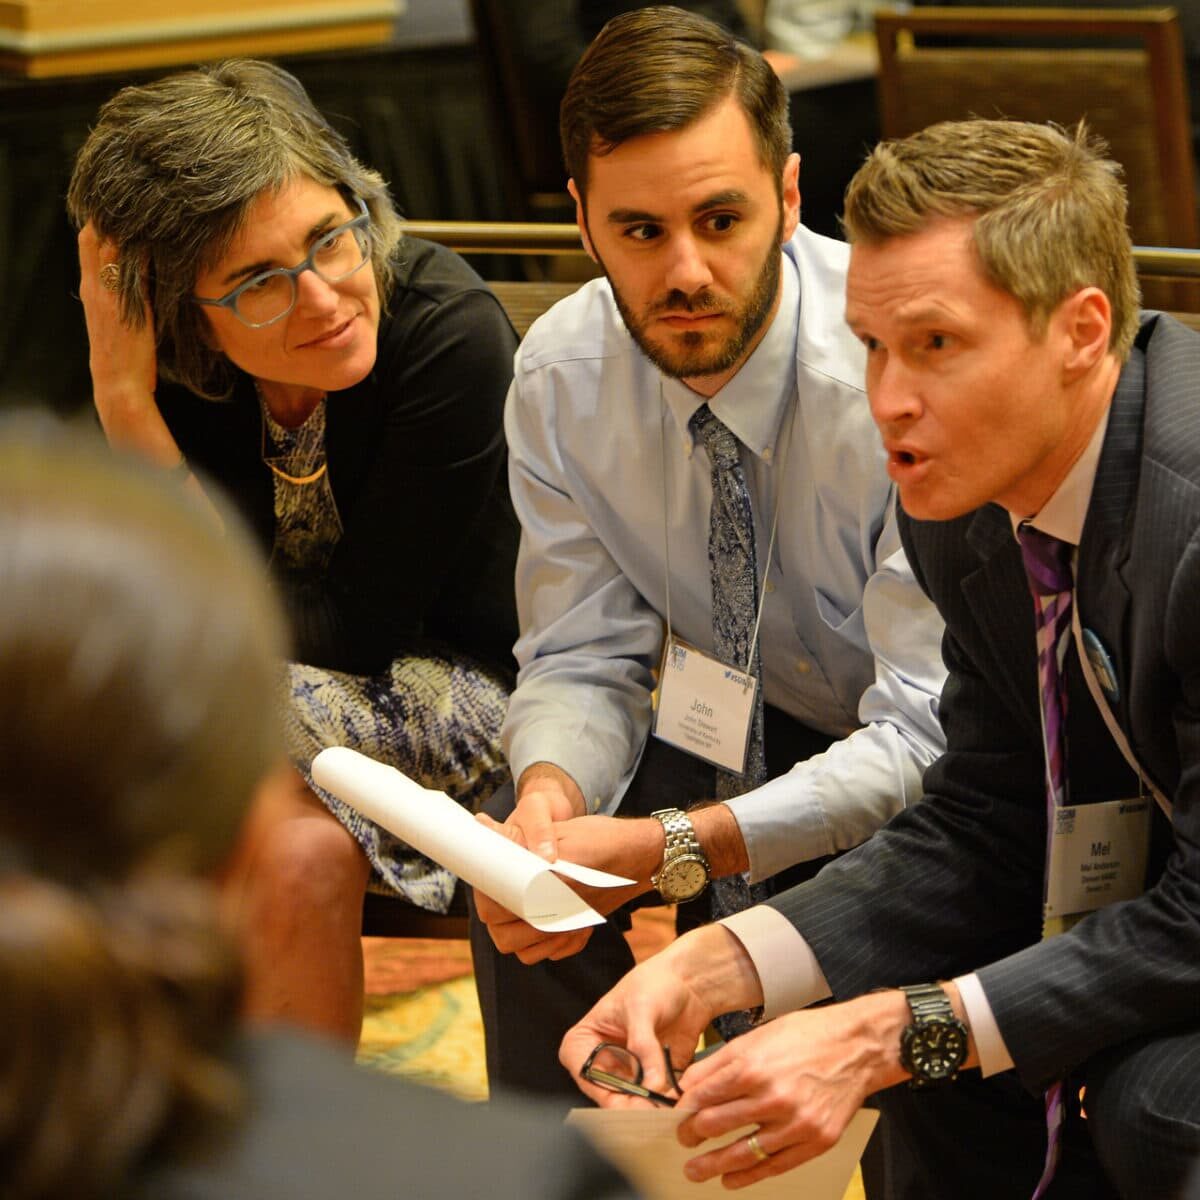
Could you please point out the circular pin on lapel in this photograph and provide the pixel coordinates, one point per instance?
(1102, 665)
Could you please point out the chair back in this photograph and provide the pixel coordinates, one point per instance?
(525, 126)
(1121, 69)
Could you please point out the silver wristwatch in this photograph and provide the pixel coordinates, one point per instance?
(684, 873)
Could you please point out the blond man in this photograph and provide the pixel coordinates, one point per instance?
(1025, 407)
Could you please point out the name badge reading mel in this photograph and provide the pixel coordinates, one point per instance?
(1098, 855)
(704, 707)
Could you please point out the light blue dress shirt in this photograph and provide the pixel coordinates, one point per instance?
(608, 484)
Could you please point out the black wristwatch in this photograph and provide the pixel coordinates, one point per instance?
(684, 873)
(934, 1046)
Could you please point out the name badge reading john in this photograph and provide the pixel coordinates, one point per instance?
(1097, 856)
(704, 706)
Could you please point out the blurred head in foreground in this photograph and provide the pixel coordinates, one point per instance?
(138, 658)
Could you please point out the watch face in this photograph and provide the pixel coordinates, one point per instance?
(683, 879)
(934, 1050)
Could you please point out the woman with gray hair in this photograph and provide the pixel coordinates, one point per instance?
(254, 312)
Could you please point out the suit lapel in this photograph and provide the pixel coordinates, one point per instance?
(999, 600)
(1102, 583)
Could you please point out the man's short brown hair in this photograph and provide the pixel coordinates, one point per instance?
(1050, 204)
(659, 69)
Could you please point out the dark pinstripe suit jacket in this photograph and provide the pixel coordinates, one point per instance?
(955, 883)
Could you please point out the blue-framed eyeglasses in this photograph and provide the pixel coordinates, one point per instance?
(269, 296)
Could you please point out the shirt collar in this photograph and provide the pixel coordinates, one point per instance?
(752, 404)
(1063, 515)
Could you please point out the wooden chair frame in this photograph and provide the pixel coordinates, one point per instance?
(535, 171)
(906, 59)
(531, 237)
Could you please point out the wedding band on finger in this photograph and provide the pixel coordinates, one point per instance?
(756, 1149)
(110, 277)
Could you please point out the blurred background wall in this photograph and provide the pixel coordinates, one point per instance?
(414, 109)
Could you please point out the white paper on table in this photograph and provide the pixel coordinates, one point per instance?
(443, 830)
(641, 1142)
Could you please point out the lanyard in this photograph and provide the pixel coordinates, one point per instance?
(1118, 734)
(762, 591)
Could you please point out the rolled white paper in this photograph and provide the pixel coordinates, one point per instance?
(443, 830)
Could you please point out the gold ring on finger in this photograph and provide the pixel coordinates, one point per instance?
(110, 276)
(756, 1149)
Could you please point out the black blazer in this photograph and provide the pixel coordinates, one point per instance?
(955, 883)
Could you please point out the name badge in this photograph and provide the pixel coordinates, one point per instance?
(704, 706)
(1098, 856)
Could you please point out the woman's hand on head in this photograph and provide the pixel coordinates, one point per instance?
(122, 359)
(124, 366)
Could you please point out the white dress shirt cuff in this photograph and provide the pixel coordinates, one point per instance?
(787, 968)
(989, 1045)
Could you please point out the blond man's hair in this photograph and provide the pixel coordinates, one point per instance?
(1050, 209)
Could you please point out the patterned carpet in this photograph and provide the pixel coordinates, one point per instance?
(422, 1018)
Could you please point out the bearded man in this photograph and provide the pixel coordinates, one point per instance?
(705, 509)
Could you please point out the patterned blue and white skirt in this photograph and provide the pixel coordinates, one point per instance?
(436, 719)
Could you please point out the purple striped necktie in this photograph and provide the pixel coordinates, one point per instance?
(1048, 569)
